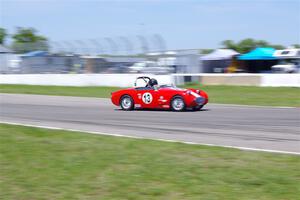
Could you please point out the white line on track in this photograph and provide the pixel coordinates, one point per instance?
(164, 140)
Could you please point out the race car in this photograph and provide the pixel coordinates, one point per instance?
(154, 96)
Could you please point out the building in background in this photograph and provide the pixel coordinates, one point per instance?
(181, 61)
(190, 61)
(99, 64)
(37, 62)
(9, 62)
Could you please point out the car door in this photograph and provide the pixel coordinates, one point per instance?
(147, 97)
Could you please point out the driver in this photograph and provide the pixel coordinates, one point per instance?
(152, 83)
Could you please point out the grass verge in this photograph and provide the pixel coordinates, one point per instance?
(244, 95)
(91, 91)
(39, 163)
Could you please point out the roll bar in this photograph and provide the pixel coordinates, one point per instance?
(144, 78)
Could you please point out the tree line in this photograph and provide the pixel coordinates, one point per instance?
(25, 40)
(249, 44)
(246, 45)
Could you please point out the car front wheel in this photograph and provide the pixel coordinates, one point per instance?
(127, 103)
(198, 108)
(177, 104)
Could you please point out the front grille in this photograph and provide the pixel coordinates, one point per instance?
(200, 100)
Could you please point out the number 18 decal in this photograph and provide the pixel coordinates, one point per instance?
(147, 98)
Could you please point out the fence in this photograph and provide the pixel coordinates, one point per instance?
(125, 80)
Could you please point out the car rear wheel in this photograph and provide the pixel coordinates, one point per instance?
(177, 104)
(127, 103)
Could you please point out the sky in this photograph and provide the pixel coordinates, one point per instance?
(184, 24)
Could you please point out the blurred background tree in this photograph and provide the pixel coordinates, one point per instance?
(27, 39)
(206, 51)
(229, 44)
(297, 46)
(248, 44)
(3, 35)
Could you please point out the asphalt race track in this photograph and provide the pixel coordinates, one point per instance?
(243, 126)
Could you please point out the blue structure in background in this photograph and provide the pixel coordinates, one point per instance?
(36, 53)
(259, 54)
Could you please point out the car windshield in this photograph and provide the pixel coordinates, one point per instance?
(143, 82)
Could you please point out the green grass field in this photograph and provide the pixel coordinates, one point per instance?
(244, 95)
(50, 164)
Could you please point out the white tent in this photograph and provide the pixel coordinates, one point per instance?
(220, 54)
(217, 61)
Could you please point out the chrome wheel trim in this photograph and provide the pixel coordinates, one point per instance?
(126, 103)
(177, 104)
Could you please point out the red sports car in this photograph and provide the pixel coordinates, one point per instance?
(153, 96)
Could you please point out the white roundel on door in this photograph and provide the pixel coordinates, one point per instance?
(147, 98)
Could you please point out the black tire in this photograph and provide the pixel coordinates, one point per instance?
(177, 104)
(197, 108)
(126, 102)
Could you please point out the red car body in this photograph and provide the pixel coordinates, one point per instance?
(161, 97)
